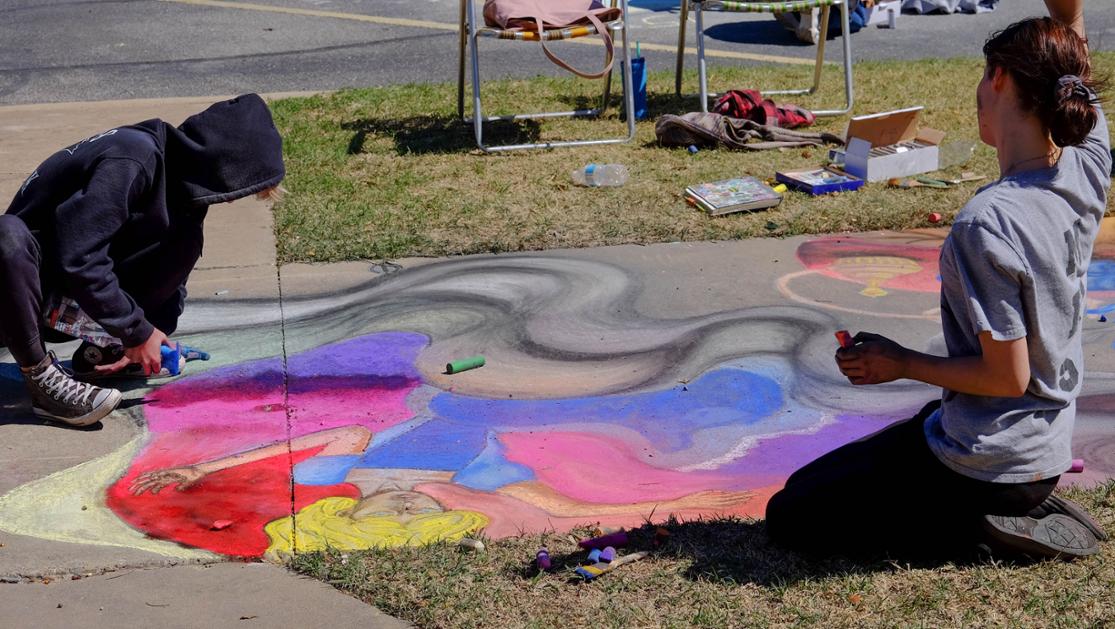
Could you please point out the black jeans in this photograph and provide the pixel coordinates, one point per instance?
(155, 279)
(888, 493)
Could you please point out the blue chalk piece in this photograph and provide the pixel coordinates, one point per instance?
(1103, 318)
(594, 556)
(692, 149)
(170, 356)
(192, 353)
(608, 554)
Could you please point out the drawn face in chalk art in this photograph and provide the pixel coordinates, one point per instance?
(377, 457)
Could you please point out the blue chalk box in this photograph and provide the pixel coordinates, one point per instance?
(820, 180)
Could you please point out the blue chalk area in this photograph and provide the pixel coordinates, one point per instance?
(491, 469)
(463, 433)
(1101, 275)
(1102, 310)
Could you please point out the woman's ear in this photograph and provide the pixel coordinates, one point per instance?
(998, 77)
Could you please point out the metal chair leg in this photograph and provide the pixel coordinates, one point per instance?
(461, 62)
(702, 71)
(849, 91)
(628, 81)
(680, 65)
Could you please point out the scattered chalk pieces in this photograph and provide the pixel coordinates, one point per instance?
(471, 544)
(220, 525)
(618, 538)
(542, 559)
(935, 217)
(464, 364)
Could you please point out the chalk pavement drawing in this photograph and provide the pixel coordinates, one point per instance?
(588, 410)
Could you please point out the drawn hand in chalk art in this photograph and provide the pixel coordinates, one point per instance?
(182, 477)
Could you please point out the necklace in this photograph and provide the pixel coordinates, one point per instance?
(1052, 156)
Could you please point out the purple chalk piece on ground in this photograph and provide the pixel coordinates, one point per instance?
(542, 559)
(1077, 466)
(612, 539)
(594, 556)
(608, 554)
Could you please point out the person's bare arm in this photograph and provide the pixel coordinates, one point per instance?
(1002, 370)
(1069, 12)
(554, 503)
(336, 441)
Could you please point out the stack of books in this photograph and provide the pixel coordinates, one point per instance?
(733, 195)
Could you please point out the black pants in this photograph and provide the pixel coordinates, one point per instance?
(155, 279)
(888, 493)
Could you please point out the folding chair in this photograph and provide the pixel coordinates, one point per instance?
(471, 31)
(700, 6)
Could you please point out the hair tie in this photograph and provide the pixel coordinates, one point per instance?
(1070, 85)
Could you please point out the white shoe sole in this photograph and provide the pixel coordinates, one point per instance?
(97, 414)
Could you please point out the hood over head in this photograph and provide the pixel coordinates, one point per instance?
(227, 152)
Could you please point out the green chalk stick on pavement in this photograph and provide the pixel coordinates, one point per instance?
(464, 364)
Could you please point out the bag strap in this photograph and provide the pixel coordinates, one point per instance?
(609, 49)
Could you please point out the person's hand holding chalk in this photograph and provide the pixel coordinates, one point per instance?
(870, 359)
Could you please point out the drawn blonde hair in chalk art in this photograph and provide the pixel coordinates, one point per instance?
(324, 524)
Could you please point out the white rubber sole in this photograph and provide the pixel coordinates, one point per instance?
(97, 414)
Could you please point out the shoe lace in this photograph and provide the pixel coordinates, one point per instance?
(60, 385)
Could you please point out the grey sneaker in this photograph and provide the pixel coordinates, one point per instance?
(1054, 536)
(57, 396)
(1056, 504)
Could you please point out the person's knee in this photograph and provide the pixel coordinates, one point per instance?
(778, 519)
(15, 238)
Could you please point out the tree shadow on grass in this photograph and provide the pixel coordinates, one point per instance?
(438, 134)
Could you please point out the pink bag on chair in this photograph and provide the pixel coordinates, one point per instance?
(541, 15)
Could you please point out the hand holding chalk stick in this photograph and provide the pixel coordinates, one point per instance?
(845, 339)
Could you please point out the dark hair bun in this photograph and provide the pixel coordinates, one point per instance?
(1049, 64)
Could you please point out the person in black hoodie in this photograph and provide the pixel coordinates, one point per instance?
(114, 223)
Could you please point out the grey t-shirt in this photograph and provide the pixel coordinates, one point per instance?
(1015, 264)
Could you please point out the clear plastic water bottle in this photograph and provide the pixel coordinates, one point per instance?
(600, 175)
(955, 154)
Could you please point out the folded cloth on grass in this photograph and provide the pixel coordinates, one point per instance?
(750, 104)
(711, 129)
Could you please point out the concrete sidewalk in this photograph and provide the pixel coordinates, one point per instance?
(121, 586)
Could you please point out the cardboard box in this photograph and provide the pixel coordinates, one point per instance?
(890, 144)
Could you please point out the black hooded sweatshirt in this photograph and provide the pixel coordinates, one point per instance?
(115, 196)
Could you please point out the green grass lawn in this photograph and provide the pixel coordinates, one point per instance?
(391, 172)
(723, 573)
